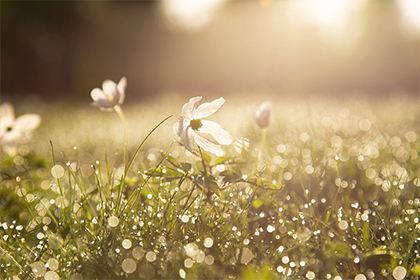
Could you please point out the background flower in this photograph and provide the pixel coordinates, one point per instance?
(14, 132)
(110, 95)
(261, 115)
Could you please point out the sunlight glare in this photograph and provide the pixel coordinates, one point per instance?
(329, 12)
(189, 15)
(411, 12)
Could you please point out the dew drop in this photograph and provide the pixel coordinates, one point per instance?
(188, 263)
(360, 277)
(182, 273)
(399, 273)
(38, 268)
(343, 225)
(310, 275)
(246, 256)
(364, 217)
(287, 176)
(51, 275)
(285, 259)
(200, 257)
(126, 244)
(138, 253)
(129, 265)
(270, 228)
(191, 249)
(150, 256)
(185, 218)
(52, 264)
(365, 125)
(208, 242)
(113, 221)
(57, 171)
(209, 260)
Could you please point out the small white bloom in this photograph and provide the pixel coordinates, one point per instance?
(261, 115)
(15, 131)
(192, 130)
(110, 95)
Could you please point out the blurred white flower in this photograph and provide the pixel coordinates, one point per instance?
(192, 130)
(14, 132)
(110, 95)
(261, 115)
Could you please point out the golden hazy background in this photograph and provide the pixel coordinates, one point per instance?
(61, 50)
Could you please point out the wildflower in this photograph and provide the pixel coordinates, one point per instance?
(192, 130)
(15, 131)
(110, 95)
(261, 115)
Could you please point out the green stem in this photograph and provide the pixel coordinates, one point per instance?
(120, 113)
(132, 160)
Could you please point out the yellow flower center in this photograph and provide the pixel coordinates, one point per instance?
(195, 124)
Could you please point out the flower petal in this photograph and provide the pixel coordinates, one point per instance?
(97, 94)
(220, 135)
(180, 125)
(209, 108)
(122, 84)
(27, 123)
(189, 107)
(264, 114)
(208, 146)
(110, 90)
(187, 138)
(7, 115)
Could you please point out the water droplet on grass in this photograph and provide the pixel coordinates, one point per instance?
(185, 218)
(246, 256)
(399, 273)
(208, 242)
(310, 275)
(51, 275)
(138, 253)
(113, 221)
(191, 249)
(343, 225)
(38, 268)
(360, 277)
(150, 256)
(57, 171)
(52, 264)
(270, 228)
(188, 263)
(209, 260)
(126, 244)
(182, 273)
(129, 265)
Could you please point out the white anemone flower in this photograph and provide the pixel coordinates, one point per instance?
(14, 132)
(110, 95)
(261, 115)
(192, 130)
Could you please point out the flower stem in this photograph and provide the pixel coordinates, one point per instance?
(120, 113)
(202, 161)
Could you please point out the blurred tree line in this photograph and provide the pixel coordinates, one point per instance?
(64, 49)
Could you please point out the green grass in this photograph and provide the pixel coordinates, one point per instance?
(332, 190)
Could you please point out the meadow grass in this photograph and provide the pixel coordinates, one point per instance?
(329, 190)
